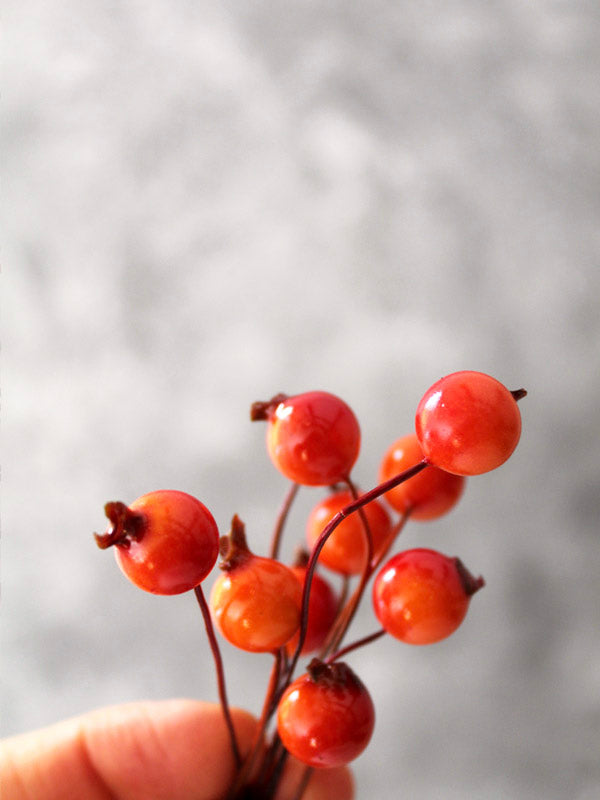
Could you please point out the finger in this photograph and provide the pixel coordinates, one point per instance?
(168, 750)
(323, 784)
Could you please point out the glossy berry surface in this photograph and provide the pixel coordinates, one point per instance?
(322, 609)
(468, 423)
(256, 601)
(312, 438)
(428, 495)
(421, 596)
(345, 550)
(166, 542)
(326, 717)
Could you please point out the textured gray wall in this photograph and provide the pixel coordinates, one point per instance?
(208, 202)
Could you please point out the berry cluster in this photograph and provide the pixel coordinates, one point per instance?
(167, 542)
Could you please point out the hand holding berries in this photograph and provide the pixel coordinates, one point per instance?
(167, 542)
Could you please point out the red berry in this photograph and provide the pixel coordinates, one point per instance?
(312, 438)
(326, 717)
(421, 596)
(468, 423)
(256, 602)
(322, 610)
(166, 542)
(427, 495)
(345, 550)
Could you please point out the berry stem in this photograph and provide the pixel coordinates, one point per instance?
(343, 622)
(306, 775)
(267, 711)
(365, 524)
(355, 645)
(360, 501)
(281, 519)
(519, 394)
(344, 618)
(270, 785)
(394, 533)
(214, 646)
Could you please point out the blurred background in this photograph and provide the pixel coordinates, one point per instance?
(207, 203)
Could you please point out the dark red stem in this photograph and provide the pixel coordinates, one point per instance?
(308, 771)
(214, 646)
(355, 645)
(281, 519)
(519, 394)
(267, 710)
(343, 622)
(361, 501)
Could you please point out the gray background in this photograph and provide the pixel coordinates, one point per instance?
(209, 202)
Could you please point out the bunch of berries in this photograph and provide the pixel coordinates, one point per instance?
(167, 542)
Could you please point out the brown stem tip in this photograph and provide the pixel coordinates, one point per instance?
(233, 547)
(333, 674)
(301, 557)
(519, 394)
(263, 410)
(470, 583)
(125, 526)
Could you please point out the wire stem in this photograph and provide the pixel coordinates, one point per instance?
(352, 507)
(266, 713)
(214, 646)
(355, 645)
(281, 519)
(306, 775)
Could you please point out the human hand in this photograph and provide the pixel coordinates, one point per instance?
(163, 750)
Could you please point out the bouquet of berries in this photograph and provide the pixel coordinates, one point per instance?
(167, 542)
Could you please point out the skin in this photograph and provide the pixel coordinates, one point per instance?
(165, 750)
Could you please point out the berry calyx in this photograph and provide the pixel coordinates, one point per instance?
(312, 438)
(421, 596)
(326, 717)
(345, 551)
(166, 542)
(127, 526)
(468, 423)
(428, 495)
(256, 601)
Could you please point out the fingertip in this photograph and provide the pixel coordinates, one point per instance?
(336, 783)
(181, 746)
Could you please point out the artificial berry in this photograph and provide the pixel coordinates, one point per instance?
(421, 596)
(322, 610)
(256, 601)
(468, 423)
(326, 717)
(345, 550)
(166, 542)
(312, 438)
(426, 496)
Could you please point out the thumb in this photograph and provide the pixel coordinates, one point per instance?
(174, 749)
(165, 750)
